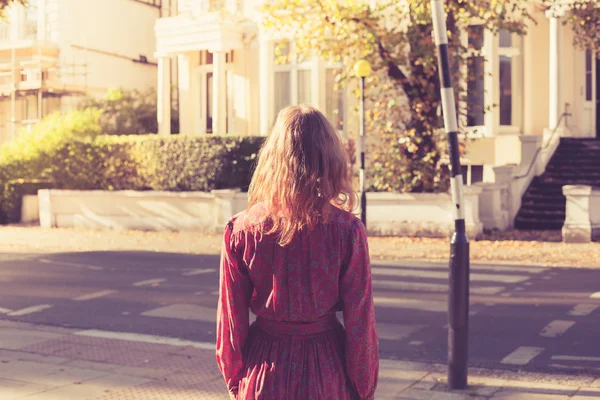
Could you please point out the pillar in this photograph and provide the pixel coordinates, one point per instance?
(266, 83)
(164, 96)
(186, 125)
(219, 93)
(554, 68)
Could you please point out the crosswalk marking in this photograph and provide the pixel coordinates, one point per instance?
(30, 310)
(388, 331)
(522, 356)
(421, 265)
(583, 309)
(556, 328)
(576, 358)
(149, 282)
(199, 271)
(444, 275)
(414, 304)
(595, 295)
(95, 295)
(431, 287)
(137, 337)
(185, 312)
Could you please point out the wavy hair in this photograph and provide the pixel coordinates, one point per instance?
(302, 169)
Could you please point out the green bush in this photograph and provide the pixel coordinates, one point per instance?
(11, 197)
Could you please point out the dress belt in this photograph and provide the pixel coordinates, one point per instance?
(321, 325)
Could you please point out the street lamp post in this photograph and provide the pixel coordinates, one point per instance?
(362, 69)
(458, 293)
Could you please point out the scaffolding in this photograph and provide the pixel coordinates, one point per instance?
(39, 76)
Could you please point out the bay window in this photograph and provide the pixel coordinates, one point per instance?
(292, 81)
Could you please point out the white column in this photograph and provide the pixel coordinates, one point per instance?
(554, 83)
(265, 83)
(185, 96)
(164, 96)
(219, 93)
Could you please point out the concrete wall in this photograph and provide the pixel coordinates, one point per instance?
(389, 214)
(420, 214)
(129, 210)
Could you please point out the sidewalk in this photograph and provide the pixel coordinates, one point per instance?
(47, 363)
(497, 249)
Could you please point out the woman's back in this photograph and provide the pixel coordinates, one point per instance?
(294, 258)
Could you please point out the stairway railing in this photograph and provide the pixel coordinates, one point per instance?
(545, 146)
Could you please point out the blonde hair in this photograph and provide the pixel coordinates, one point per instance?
(302, 169)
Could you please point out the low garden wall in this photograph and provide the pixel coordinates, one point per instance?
(139, 210)
(388, 214)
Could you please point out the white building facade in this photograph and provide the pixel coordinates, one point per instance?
(230, 83)
(54, 51)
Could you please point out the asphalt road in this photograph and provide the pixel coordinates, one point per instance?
(524, 318)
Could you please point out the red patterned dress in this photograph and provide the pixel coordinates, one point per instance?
(297, 349)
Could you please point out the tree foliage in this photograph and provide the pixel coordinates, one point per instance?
(4, 4)
(584, 17)
(128, 112)
(404, 93)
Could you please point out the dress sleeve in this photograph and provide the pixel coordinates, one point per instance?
(232, 313)
(362, 343)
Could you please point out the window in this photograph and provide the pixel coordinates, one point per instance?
(472, 174)
(475, 77)
(292, 80)
(588, 75)
(334, 99)
(510, 79)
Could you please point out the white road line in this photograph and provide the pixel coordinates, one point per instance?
(556, 328)
(4, 310)
(595, 295)
(583, 309)
(215, 293)
(415, 343)
(388, 331)
(149, 282)
(419, 265)
(190, 312)
(413, 304)
(136, 337)
(199, 272)
(444, 275)
(522, 355)
(94, 295)
(30, 310)
(70, 264)
(431, 287)
(576, 358)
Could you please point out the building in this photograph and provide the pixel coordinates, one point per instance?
(54, 51)
(229, 81)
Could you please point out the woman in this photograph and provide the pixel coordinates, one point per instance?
(294, 258)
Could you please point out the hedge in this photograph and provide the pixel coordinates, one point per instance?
(139, 162)
(11, 197)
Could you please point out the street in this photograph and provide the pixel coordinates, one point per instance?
(523, 318)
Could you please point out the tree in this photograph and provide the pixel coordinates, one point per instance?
(584, 17)
(404, 93)
(4, 4)
(128, 112)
